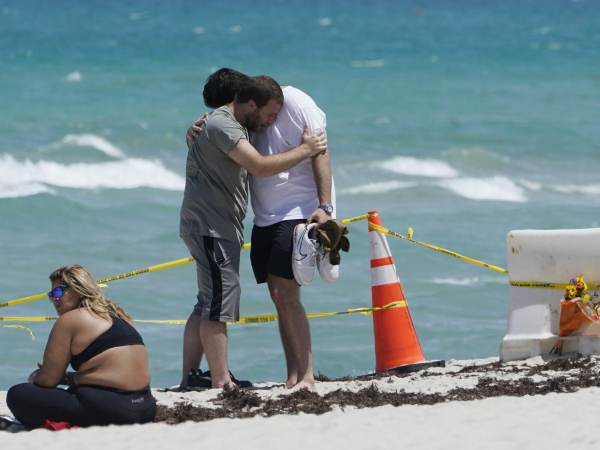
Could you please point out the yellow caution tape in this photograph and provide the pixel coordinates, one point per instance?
(21, 327)
(22, 300)
(261, 318)
(384, 230)
(356, 218)
(538, 284)
(545, 285)
(26, 319)
(155, 268)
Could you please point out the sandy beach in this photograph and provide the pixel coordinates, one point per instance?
(468, 404)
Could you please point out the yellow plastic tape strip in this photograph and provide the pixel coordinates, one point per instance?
(261, 318)
(21, 327)
(384, 230)
(356, 218)
(22, 300)
(545, 285)
(155, 268)
(26, 319)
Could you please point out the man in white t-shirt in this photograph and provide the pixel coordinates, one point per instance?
(280, 202)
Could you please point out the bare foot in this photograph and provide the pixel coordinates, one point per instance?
(305, 384)
(231, 386)
(291, 382)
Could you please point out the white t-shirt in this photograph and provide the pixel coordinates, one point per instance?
(291, 194)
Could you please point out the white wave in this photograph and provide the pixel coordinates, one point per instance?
(128, 173)
(467, 281)
(590, 189)
(494, 188)
(368, 63)
(235, 29)
(407, 165)
(89, 140)
(378, 187)
(531, 185)
(325, 21)
(199, 30)
(22, 190)
(74, 77)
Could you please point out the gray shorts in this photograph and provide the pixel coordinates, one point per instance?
(218, 271)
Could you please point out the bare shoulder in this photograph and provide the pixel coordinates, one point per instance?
(78, 319)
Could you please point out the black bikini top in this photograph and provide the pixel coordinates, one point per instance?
(119, 334)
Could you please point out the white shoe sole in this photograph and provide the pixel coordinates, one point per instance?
(327, 271)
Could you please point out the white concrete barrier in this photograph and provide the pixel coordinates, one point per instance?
(552, 256)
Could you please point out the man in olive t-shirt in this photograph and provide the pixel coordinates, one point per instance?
(214, 207)
(216, 189)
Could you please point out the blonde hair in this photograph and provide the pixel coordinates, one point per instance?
(82, 282)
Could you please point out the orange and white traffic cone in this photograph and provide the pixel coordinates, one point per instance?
(396, 341)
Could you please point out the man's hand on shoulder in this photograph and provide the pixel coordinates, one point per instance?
(194, 131)
(317, 143)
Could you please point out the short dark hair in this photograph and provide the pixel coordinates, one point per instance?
(261, 89)
(221, 86)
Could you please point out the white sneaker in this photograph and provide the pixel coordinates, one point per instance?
(304, 253)
(328, 271)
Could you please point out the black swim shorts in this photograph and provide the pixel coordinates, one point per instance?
(272, 248)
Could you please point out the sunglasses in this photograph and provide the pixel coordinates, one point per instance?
(57, 292)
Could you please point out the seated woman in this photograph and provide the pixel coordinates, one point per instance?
(111, 380)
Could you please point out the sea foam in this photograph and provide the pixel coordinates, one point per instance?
(25, 177)
(407, 165)
(88, 140)
(497, 188)
(531, 185)
(8, 190)
(73, 77)
(467, 281)
(378, 187)
(589, 189)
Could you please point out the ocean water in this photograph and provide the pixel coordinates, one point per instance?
(463, 120)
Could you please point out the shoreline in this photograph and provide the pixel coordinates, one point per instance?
(472, 404)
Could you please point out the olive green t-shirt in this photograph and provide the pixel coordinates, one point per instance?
(216, 187)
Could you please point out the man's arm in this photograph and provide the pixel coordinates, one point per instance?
(259, 165)
(306, 111)
(321, 165)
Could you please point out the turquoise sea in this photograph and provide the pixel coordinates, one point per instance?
(462, 119)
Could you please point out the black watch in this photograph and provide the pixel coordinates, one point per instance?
(327, 207)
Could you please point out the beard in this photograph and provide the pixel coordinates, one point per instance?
(252, 121)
